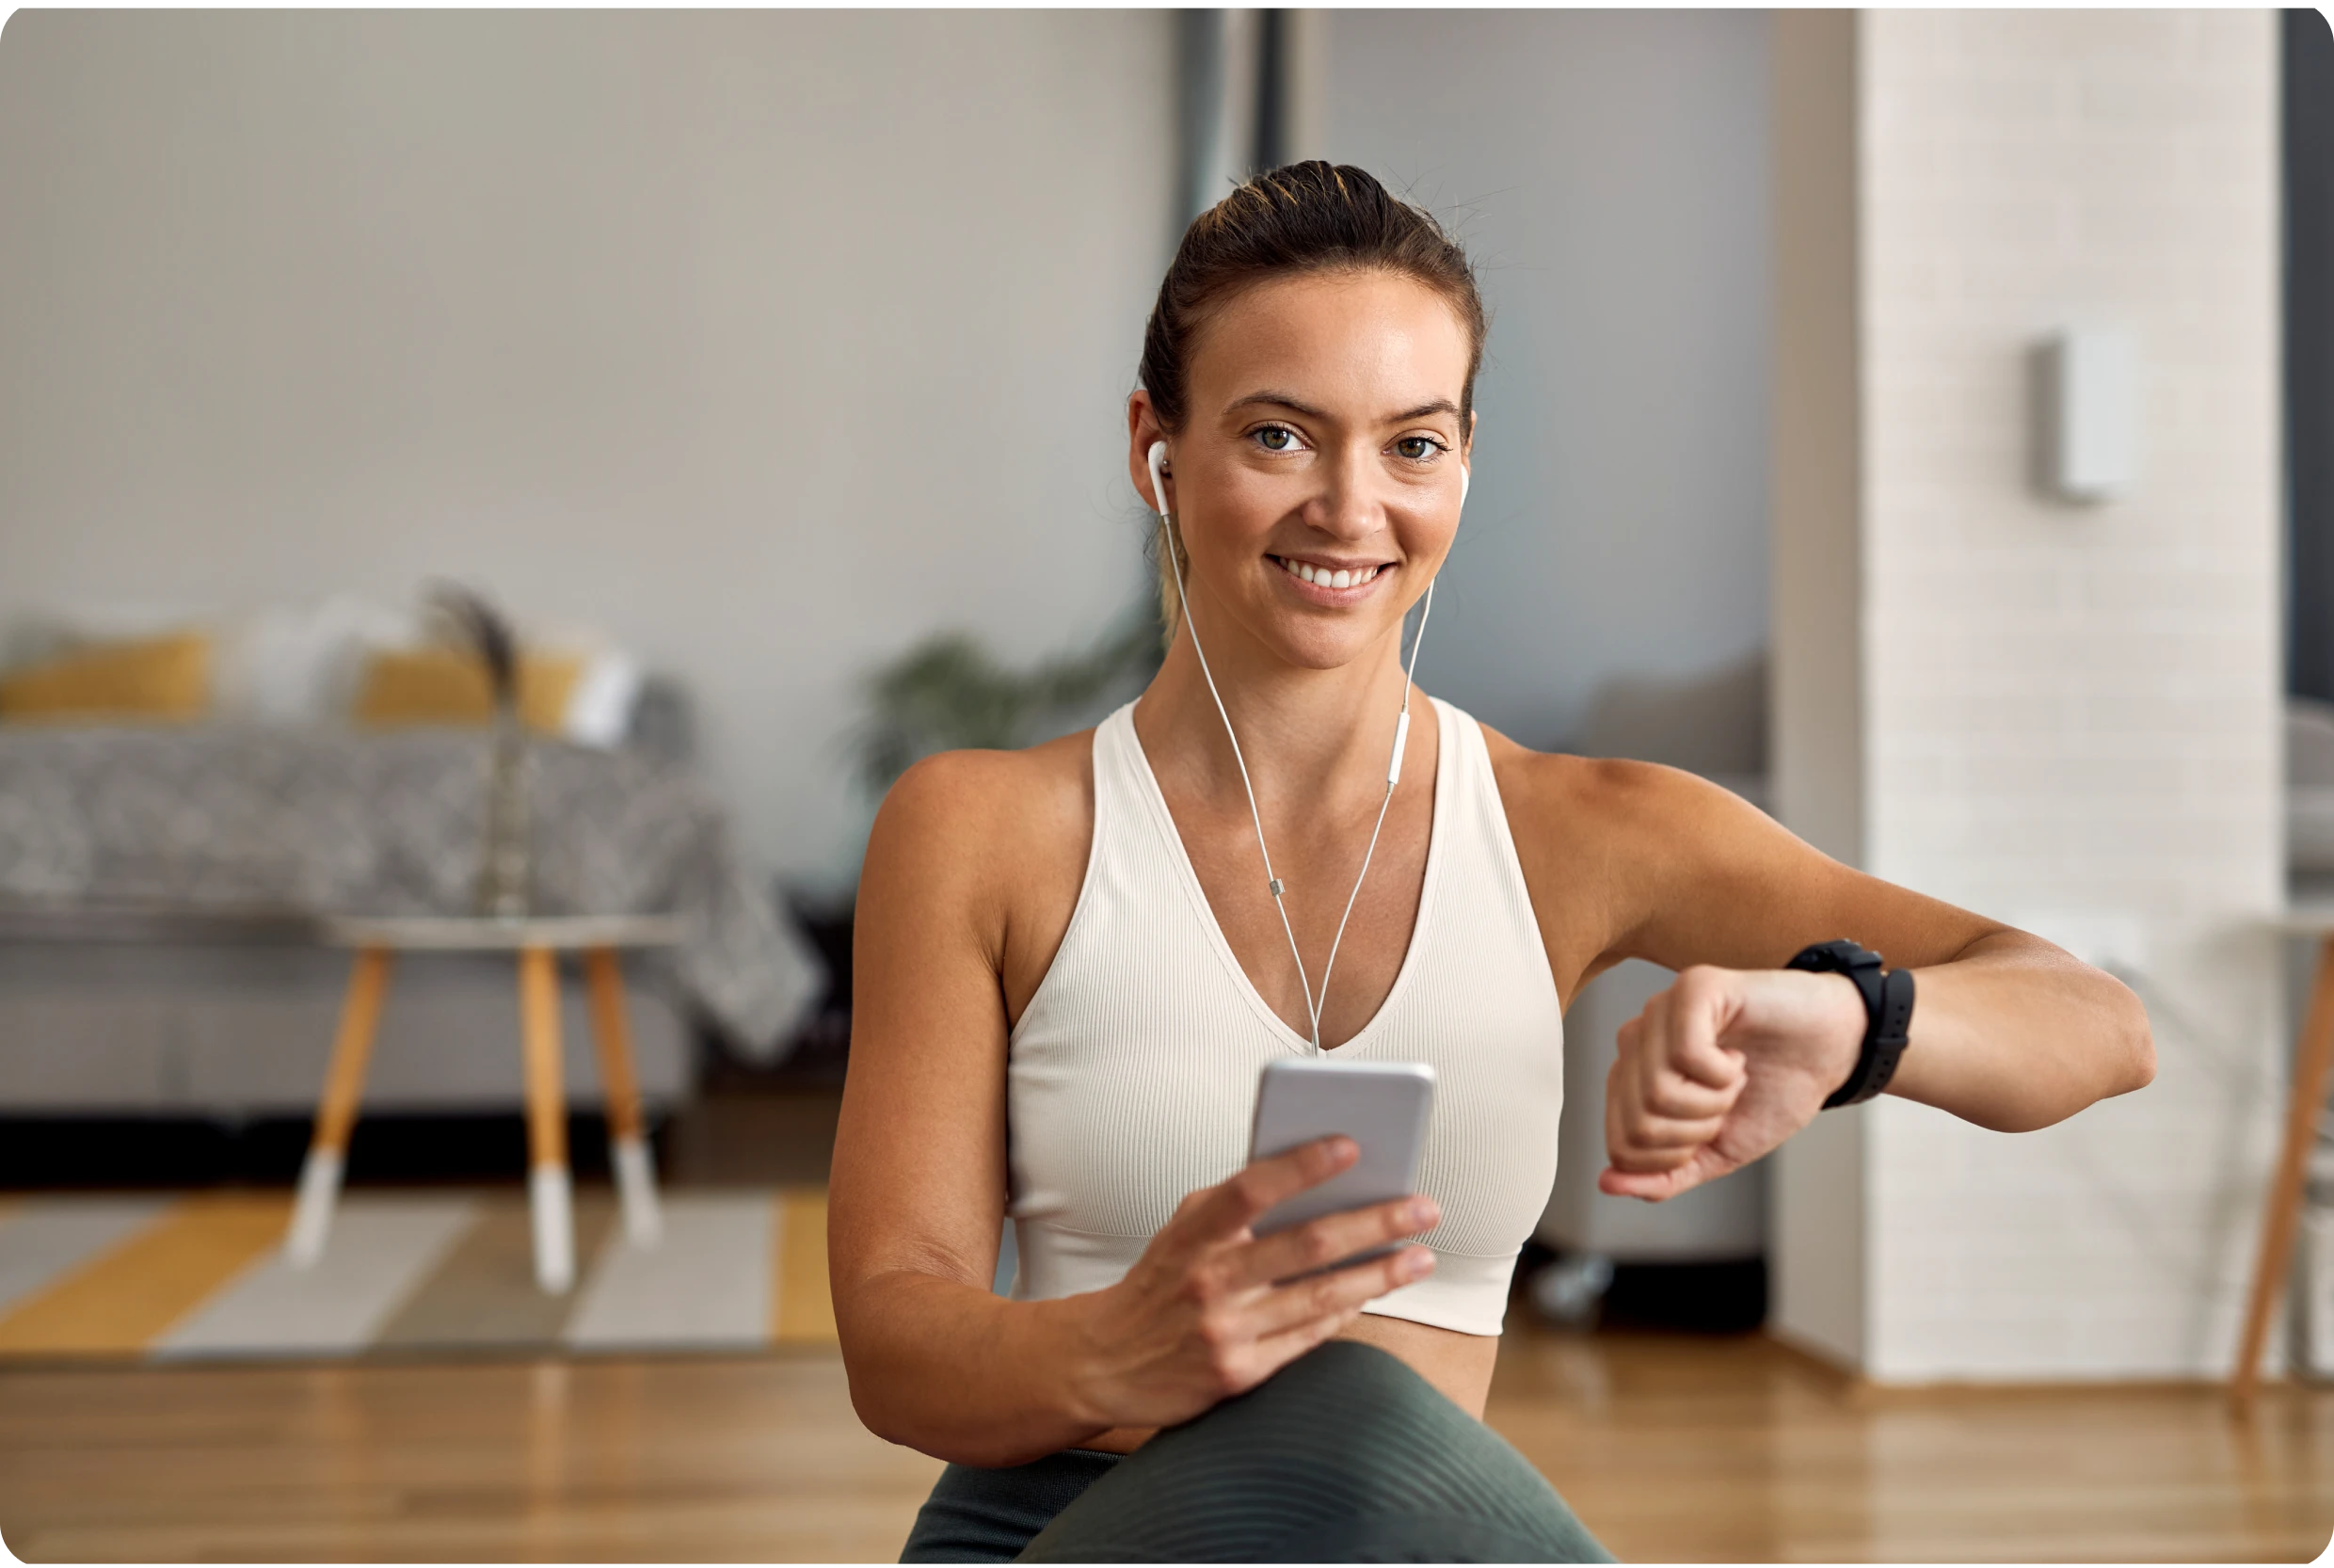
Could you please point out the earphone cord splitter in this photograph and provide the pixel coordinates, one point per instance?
(1394, 771)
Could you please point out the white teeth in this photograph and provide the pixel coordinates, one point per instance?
(1354, 578)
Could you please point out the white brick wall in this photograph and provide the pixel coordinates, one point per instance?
(2073, 711)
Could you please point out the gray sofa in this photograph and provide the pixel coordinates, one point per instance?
(158, 952)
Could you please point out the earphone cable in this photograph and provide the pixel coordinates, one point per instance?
(1401, 732)
(1273, 884)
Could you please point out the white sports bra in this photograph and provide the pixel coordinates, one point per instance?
(1132, 1072)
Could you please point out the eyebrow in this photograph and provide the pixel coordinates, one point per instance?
(1281, 400)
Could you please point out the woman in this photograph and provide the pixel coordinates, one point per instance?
(1073, 962)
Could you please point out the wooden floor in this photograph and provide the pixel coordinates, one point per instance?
(1671, 1449)
(1685, 1449)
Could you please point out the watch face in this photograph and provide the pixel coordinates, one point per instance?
(1835, 957)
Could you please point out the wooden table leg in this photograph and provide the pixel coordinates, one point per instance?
(336, 1112)
(627, 1145)
(548, 1193)
(2313, 1057)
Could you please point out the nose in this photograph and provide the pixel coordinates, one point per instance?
(1348, 507)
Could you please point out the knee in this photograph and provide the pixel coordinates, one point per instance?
(1346, 1406)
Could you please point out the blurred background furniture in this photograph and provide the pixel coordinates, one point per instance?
(537, 942)
(2308, 1184)
(180, 804)
(1702, 1252)
(2281, 1206)
(228, 1015)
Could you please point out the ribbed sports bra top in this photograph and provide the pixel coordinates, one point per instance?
(1132, 1072)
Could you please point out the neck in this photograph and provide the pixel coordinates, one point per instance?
(1322, 735)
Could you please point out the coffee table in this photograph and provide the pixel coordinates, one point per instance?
(537, 941)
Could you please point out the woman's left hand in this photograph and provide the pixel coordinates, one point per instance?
(1719, 1069)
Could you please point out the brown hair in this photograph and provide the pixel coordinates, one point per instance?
(1313, 217)
(1310, 216)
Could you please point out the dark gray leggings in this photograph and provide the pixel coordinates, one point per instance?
(1345, 1455)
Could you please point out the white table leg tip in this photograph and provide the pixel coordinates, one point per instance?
(311, 1212)
(635, 1180)
(550, 1202)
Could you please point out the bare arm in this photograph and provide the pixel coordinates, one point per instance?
(936, 1360)
(919, 1182)
(2008, 1032)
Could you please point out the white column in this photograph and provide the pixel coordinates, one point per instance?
(1816, 1247)
(2063, 716)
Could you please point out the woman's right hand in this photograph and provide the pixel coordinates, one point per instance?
(1199, 1316)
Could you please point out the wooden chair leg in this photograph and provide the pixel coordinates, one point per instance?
(2314, 1059)
(627, 1145)
(336, 1112)
(549, 1193)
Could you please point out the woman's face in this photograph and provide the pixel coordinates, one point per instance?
(1322, 439)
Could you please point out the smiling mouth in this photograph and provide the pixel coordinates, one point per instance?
(1323, 577)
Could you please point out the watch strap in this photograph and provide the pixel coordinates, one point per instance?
(1888, 1014)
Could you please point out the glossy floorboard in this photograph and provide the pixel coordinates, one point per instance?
(1682, 1450)
(1671, 1449)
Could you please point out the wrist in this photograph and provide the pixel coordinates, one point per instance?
(1069, 1343)
(1842, 1032)
(1887, 998)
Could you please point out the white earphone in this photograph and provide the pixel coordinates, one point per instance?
(1156, 459)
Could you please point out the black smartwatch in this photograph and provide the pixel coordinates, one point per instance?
(1888, 1014)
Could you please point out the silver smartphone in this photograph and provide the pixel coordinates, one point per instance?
(1382, 1106)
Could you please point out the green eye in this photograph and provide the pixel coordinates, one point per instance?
(1277, 437)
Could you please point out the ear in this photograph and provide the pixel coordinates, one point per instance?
(1143, 430)
(1156, 460)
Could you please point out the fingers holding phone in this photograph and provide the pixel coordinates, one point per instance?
(1252, 1272)
(1344, 1239)
(1258, 1303)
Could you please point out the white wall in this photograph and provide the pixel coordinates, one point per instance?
(767, 342)
(2068, 717)
(1608, 171)
(1819, 1219)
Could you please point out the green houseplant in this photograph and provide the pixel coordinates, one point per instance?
(949, 691)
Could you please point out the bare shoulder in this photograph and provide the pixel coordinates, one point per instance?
(1041, 786)
(1608, 802)
(1612, 851)
(982, 853)
(1636, 860)
(976, 810)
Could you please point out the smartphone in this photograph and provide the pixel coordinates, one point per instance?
(1382, 1106)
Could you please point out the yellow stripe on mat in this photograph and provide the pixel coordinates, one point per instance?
(125, 1298)
(804, 1308)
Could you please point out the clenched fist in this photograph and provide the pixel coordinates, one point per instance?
(1719, 1069)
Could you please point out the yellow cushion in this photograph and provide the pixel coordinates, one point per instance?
(444, 685)
(156, 678)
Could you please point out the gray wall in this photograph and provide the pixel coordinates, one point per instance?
(771, 343)
(1608, 171)
(768, 342)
